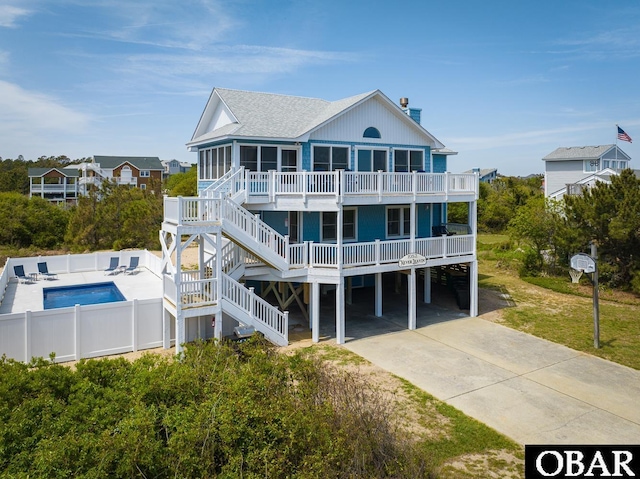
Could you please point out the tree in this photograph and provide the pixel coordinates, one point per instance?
(610, 215)
(31, 222)
(116, 217)
(183, 184)
(536, 224)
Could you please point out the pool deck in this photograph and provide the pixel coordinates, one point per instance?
(21, 297)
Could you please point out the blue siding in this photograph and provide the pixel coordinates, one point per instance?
(439, 163)
(311, 226)
(371, 223)
(423, 212)
(276, 219)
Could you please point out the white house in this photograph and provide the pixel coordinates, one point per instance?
(569, 170)
(302, 196)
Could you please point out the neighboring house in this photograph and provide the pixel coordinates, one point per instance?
(139, 171)
(485, 175)
(301, 196)
(171, 167)
(58, 185)
(570, 170)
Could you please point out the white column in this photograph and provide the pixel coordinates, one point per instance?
(166, 329)
(315, 312)
(411, 295)
(349, 290)
(473, 289)
(201, 256)
(217, 330)
(412, 226)
(340, 329)
(180, 330)
(378, 295)
(427, 285)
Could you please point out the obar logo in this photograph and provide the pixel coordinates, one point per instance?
(581, 461)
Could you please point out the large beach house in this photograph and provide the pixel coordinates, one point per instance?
(302, 198)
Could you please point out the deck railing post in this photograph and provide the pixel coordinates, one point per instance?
(377, 252)
(305, 186)
(311, 254)
(284, 329)
(379, 179)
(272, 185)
(287, 252)
(252, 303)
(444, 246)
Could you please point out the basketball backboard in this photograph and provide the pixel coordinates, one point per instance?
(583, 262)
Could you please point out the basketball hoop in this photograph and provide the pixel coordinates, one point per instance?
(575, 274)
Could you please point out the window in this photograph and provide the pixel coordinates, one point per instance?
(249, 157)
(606, 164)
(214, 162)
(329, 223)
(591, 165)
(398, 222)
(145, 173)
(265, 158)
(143, 186)
(371, 132)
(330, 158)
(371, 160)
(408, 160)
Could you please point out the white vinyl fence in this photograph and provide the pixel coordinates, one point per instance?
(82, 331)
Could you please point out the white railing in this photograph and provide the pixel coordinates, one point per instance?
(229, 184)
(377, 252)
(198, 292)
(256, 307)
(252, 226)
(54, 188)
(270, 184)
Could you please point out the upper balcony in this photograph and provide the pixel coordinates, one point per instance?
(54, 188)
(321, 191)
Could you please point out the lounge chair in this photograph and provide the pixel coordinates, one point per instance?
(44, 271)
(113, 266)
(22, 277)
(133, 265)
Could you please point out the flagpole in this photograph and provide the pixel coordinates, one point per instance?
(617, 144)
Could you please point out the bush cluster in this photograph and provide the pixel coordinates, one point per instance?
(220, 411)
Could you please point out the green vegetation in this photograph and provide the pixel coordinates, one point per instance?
(111, 217)
(553, 308)
(226, 410)
(183, 184)
(115, 217)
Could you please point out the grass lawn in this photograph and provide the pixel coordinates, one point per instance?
(555, 309)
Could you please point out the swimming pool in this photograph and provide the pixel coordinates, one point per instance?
(94, 293)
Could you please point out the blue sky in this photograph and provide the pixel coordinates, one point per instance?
(502, 82)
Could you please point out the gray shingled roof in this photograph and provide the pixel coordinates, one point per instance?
(270, 115)
(35, 172)
(275, 116)
(140, 162)
(578, 152)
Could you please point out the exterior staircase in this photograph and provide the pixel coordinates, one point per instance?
(249, 236)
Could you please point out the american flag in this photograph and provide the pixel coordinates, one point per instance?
(622, 135)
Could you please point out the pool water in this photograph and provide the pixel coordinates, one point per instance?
(95, 293)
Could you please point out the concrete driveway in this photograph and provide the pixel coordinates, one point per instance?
(532, 390)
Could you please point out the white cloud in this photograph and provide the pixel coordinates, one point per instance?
(23, 110)
(9, 14)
